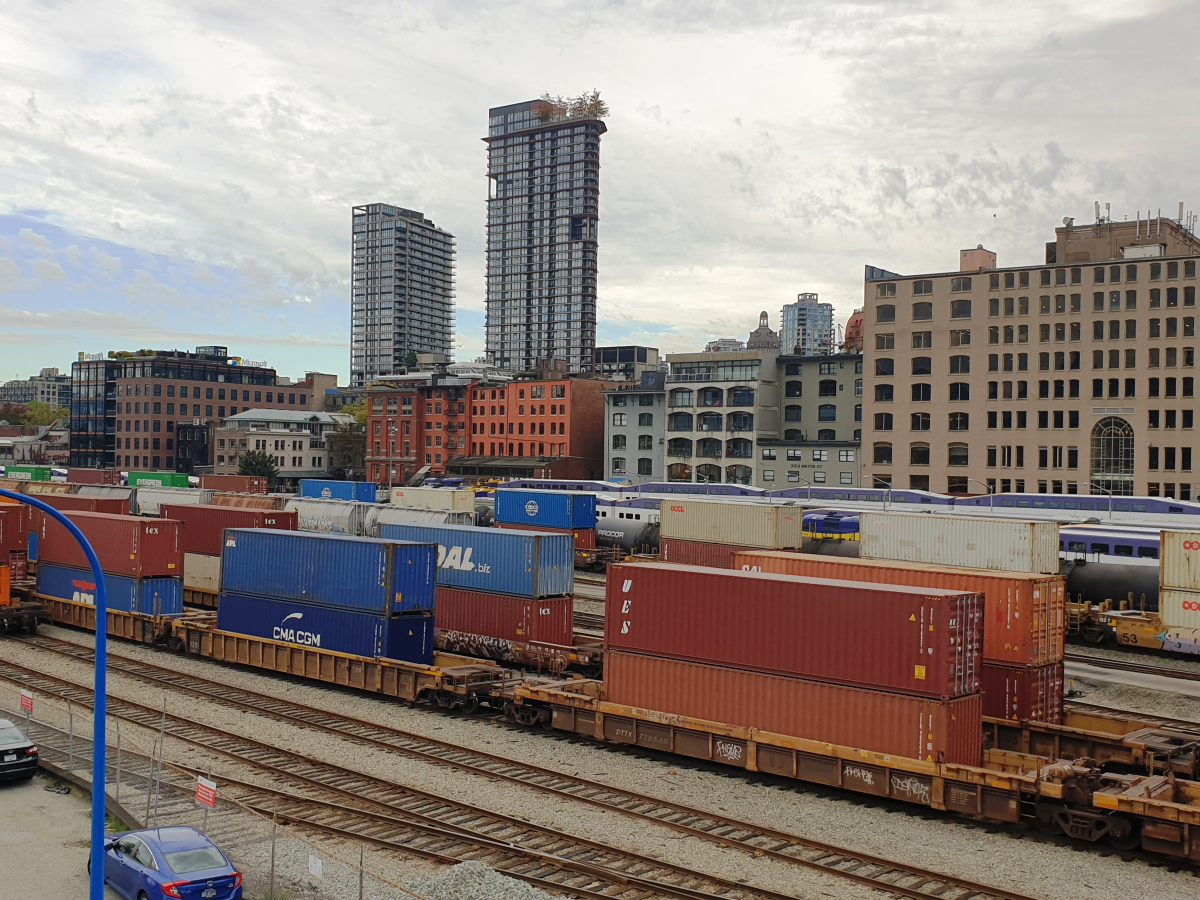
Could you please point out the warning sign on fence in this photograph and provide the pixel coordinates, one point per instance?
(206, 792)
(26, 701)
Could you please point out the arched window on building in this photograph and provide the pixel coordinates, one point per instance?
(1112, 457)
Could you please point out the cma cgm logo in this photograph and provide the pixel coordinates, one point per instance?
(1191, 605)
(460, 558)
(1191, 545)
(531, 508)
(294, 635)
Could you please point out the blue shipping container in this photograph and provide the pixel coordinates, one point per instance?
(408, 637)
(147, 596)
(549, 509)
(342, 570)
(32, 546)
(324, 489)
(521, 563)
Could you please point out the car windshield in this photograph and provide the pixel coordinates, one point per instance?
(184, 861)
(11, 736)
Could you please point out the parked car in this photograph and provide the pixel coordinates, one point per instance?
(175, 863)
(18, 754)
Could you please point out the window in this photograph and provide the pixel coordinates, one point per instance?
(1044, 333)
(960, 309)
(959, 365)
(883, 393)
(957, 455)
(845, 456)
(922, 393)
(645, 442)
(922, 287)
(994, 334)
(922, 340)
(646, 419)
(918, 455)
(993, 362)
(958, 285)
(920, 422)
(922, 312)
(922, 365)
(884, 366)
(681, 397)
(618, 465)
(645, 466)
(768, 454)
(826, 412)
(883, 421)
(619, 419)
(960, 421)
(882, 454)
(959, 390)
(827, 388)
(885, 290)
(885, 313)
(1022, 334)
(960, 337)
(882, 342)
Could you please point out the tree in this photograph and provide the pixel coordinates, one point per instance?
(13, 413)
(259, 463)
(45, 414)
(358, 409)
(411, 359)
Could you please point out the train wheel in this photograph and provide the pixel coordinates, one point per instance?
(470, 704)
(1123, 833)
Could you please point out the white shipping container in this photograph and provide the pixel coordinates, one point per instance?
(150, 499)
(1179, 561)
(1179, 609)
(770, 527)
(387, 515)
(965, 541)
(433, 498)
(202, 572)
(330, 516)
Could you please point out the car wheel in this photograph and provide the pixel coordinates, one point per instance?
(142, 896)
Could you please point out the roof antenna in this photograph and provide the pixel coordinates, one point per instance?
(1097, 210)
(1180, 219)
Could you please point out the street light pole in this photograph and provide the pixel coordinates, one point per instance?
(991, 493)
(100, 701)
(887, 487)
(1093, 486)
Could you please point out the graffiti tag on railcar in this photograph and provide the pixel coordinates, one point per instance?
(730, 751)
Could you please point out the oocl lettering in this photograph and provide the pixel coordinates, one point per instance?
(1191, 545)
(1191, 605)
(676, 508)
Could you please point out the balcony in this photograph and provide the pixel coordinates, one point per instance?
(708, 448)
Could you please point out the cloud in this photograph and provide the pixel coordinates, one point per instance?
(108, 265)
(11, 278)
(38, 242)
(48, 270)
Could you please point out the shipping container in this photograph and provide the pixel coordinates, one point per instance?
(521, 563)
(125, 545)
(741, 524)
(111, 492)
(331, 516)
(14, 528)
(585, 538)
(380, 514)
(408, 637)
(1179, 561)
(553, 509)
(949, 731)
(433, 498)
(238, 484)
(1006, 545)
(159, 479)
(1024, 614)
(549, 620)
(251, 501)
(43, 488)
(17, 487)
(1179, 608)
(27, 473)
(93, 476)
(149, 500)
(914, 640)
(203, 527)
(697, 553)
(378, 576)
(114, 506)
(1033, 694)
(202, 573)
(146, 596)
(326, 489)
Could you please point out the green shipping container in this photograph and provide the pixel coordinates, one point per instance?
(27, 473)
(158, 479)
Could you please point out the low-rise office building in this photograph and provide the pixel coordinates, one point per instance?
(295, 440)
(635, 424)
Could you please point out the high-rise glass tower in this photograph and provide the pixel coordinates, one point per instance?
(403, 295)
(807, 327)
(543, 208)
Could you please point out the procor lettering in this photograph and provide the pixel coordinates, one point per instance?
(457, 558)
(293, 636)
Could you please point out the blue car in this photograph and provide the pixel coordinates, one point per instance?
(175, 863)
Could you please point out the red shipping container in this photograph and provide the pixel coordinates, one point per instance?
(125, 545)
(117, 506)
(239, 484)
(697, 553)
(14, 528)
(1011, 692)
(585, 538)
(549, 620)
(93, 476)
(247, 501)
(203, 527)
(948, 731)
(1023, 613)
(913, 640)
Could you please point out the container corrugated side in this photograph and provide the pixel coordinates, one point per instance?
(112, 491)
(202, 573)
(741, 524)
(547, 620)
(202, 528)
(327, 489)
(149, 500)
(585, 538)
(125, 545)
(330, 516)
(907, 639)
(93, 476)
(1179, 561)
(385, 514)
(1003, 544)
(433, 498)
(948, 731)
(239, 484)
(409, 637)
(14, 529)
(42, 488)
(251, 501)
(492, 560)
(551, 509)
(697, 553)
(1024, 613)
(145, 596)
(335, 570)
(1179, 608)
(114, 506)
(1032, 694)
(159, 479)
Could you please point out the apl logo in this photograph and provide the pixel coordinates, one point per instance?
(84, 592)
(531, 508)
(282, 632)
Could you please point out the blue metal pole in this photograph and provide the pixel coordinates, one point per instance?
(100, 707)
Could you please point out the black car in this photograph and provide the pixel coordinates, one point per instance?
(18, 754)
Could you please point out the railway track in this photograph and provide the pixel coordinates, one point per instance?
(1121, 665)
(589, 621)
(881, 874)
(1176, 724)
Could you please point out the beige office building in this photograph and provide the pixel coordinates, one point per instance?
(1072, 376)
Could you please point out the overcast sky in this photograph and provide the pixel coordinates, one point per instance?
(173, 175)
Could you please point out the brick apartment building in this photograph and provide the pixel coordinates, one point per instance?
(1075, 376)
(158, 409)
